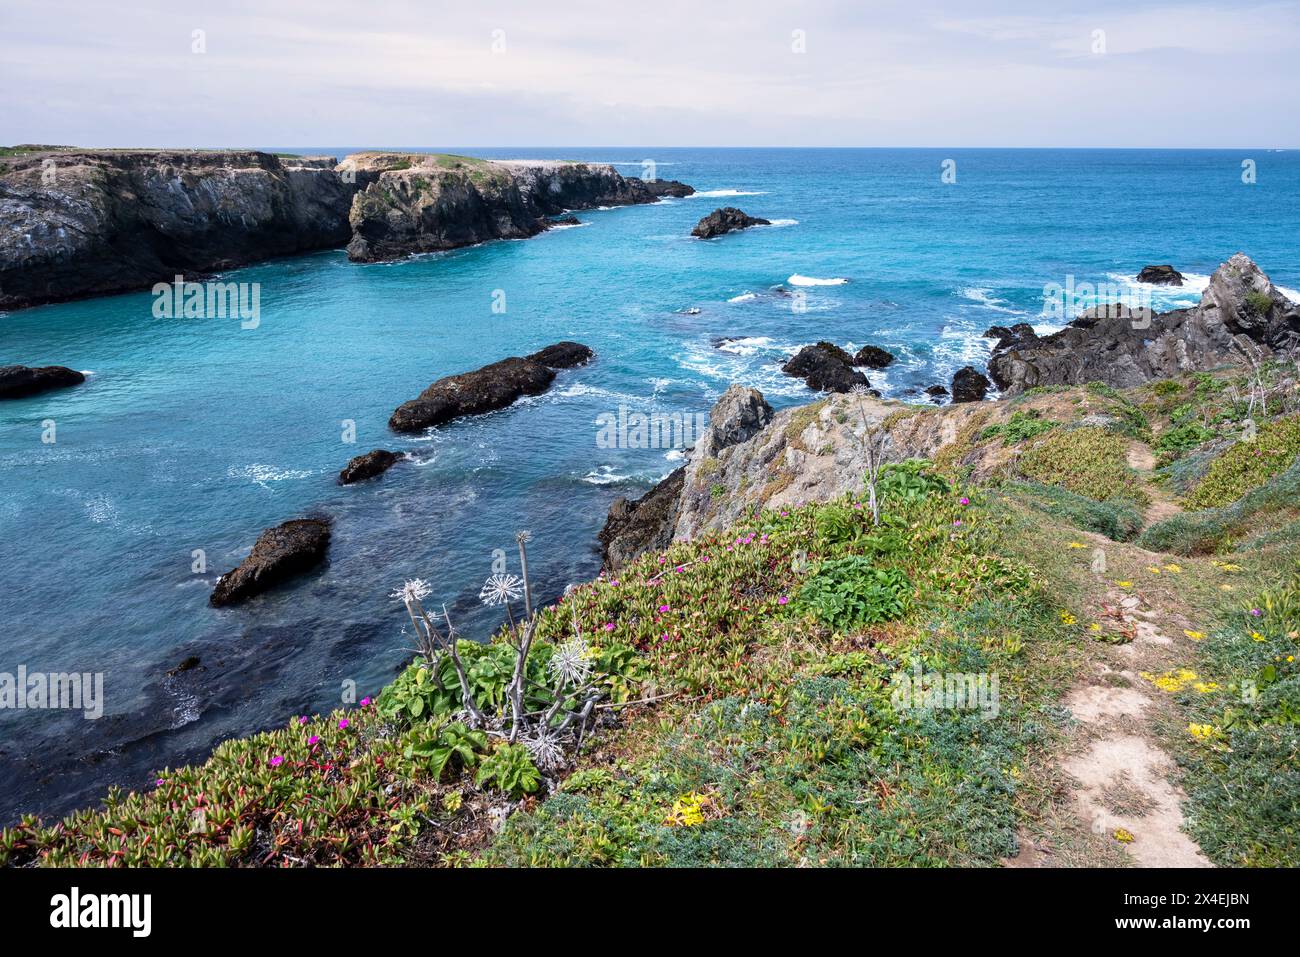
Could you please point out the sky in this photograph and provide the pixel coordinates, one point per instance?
(385, 73)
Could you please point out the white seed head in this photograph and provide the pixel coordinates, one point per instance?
(500, 589)
(415, 589)
(571, 661)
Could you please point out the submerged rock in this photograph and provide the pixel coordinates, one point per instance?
(368, 466)
(826, 368)
(487, 389)
(969, 385)
(725, 220)
(1160, 275)
(280, 553)
(19, 381)
(873, 357)
(1240, 312)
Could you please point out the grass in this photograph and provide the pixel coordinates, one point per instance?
(1090, 462)
(1217, 530)
(1248, 464)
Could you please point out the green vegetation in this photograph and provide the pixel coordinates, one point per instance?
(1261, 302)
(1118, 519)
(1217, 530)
(1021, 426)
(1248, 464)
(1089, 461)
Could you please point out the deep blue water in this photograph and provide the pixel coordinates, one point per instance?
(197, 434)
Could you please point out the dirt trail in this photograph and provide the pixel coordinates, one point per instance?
(1161, 506)
(1117, 780)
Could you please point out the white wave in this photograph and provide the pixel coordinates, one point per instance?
(985, 298)
(605, 475)
(712, 193)
(1291, 294)
(675, 455)
(801, 280)
(262, 474)
(759, 368)
(559, 226)
(87, 372)
(743, 297)
(750, 345)
(1164, 297)
(784, 222)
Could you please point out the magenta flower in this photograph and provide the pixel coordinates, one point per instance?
(609, 626)
(159, 782)
(303, 719)
(343, 722)
(957, 522)
(277, 761)
(680, 569)
(1255, 612)
(783, 600)
(315, 738)
(965, 500)
(664, 608)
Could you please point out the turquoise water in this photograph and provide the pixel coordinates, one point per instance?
(197, 434)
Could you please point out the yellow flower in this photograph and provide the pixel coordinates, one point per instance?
(688, 810)
(1256, 636)
(1194, 635)
(1171, 681)
(1153, 570)
(1067, 618)
(1226, 566)
(1123, 835)
(1094, 627)
(1124, 584)
(1205, 732)
(1171, 567)
(1077, 545)
(1206, 687)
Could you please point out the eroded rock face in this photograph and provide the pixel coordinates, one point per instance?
(279, 554)
(1240, 311)
(826, 368)
(417, 203)
(663, 187)
(16, 382)
(487, 389)
(368, 466)
(725, 220)
(969, 385)
(651, 522)
(77, 223)
(1160, 275)
(873, 357)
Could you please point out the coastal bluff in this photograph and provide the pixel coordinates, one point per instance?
(79, 222)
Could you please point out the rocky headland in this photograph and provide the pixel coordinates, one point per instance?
(1241, 317)
(85, 222)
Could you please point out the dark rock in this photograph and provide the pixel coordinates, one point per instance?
(663, 187)
(1160, 275)
(969, 385)
(873, 357)
(493, 387)
(1240, 311)
(1020, 332)
(368, 466)
(19, 381)
(115, 220)
(279, 554)
(563, 355)
(826, 368)
(725, 220)
(188, 664)
(936, 391)
(566, 221)
(646, 524)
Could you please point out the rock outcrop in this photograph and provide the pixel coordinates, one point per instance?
(873, 357)
(725, 220)
(826, 368)
(16, 382)
(418, 202)
(279, 554)
(652, 521)
(663, 187)
(1241, 312)
(969, 385)
(368, 466)
(487, 389)
(77, 223)
(1160, 276)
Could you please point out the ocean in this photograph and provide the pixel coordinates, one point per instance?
(192, 435)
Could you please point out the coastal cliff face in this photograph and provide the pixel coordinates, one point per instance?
(77, 223)
(1240, 313)
(417, 203)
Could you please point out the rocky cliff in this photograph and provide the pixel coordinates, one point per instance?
(1240, 313)
(76, 223)
(417, 202)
